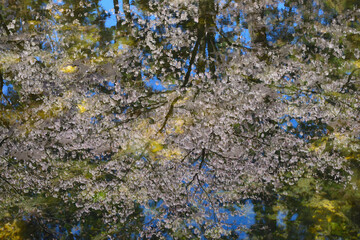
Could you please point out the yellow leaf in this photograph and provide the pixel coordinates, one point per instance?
(97, 60)
(357, 63)
(178, 126)
(327, 205)
(81, 107)
(353, 156)
(155, 146)
(69, 69)
(32, 22)
(318, 145)
(339, 136)
(10, 231)
(171, 154)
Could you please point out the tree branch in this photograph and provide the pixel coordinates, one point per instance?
(192, 59)
(15, 189)
(230, 43)
(349, 79)
(168, 115)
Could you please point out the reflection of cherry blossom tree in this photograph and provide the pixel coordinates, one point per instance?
(89, 133)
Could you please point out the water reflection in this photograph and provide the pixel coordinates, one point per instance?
(181, 119)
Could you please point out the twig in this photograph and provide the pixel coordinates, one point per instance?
(192, 59)
(349, 79)
(202, 158)
(208, 196)
(168, 115)
(17, 191)
(183, 159)
(230, 43)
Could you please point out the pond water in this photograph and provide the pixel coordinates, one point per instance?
(179, 119)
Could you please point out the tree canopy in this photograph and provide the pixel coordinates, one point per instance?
(167, 119)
